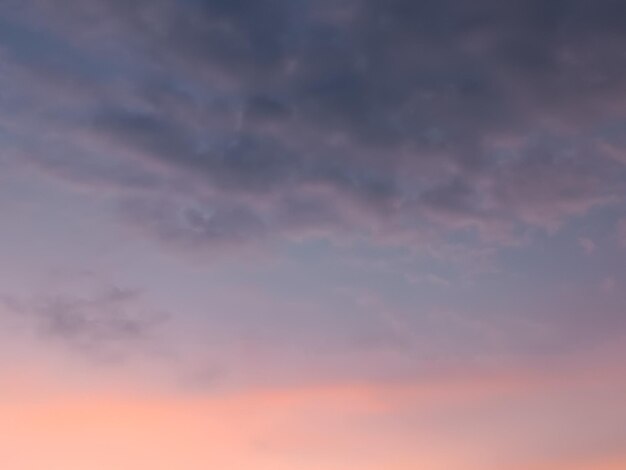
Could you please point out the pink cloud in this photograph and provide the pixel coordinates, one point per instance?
(588, 245)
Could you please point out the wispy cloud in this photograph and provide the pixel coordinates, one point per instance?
(587, 244)
(108, 324)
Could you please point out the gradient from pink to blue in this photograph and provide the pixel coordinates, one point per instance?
(312, 235)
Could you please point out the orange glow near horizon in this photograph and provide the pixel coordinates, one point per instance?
(450, 423)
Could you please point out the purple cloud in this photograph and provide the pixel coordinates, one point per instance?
(104, 325)
(277, 119)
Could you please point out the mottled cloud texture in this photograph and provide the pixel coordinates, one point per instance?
(388, 234)
(224, 122)
(107, 325)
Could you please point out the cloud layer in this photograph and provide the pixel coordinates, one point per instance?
(227, 122)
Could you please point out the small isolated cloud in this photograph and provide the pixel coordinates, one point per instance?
(588, 245)
(107, 324)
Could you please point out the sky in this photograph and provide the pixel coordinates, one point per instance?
(312, 234)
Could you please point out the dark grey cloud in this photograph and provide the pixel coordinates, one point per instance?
(257, 119)
(108, 324)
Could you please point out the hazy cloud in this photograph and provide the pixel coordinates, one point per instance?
(106, 324)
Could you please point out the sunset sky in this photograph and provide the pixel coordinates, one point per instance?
(312, 235)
